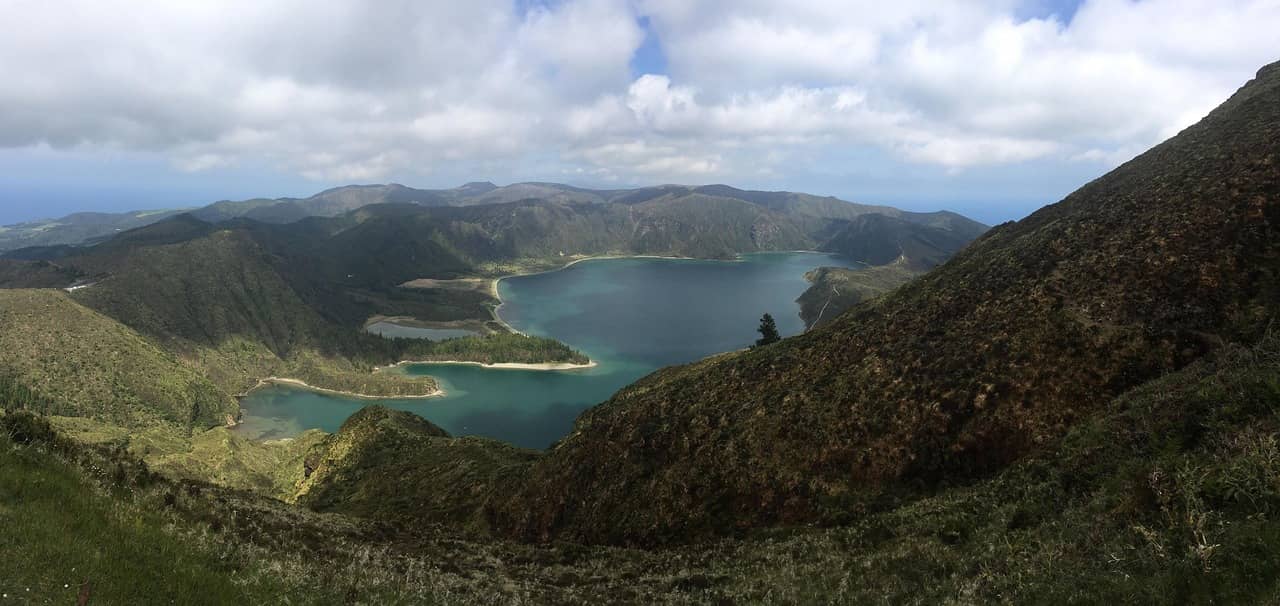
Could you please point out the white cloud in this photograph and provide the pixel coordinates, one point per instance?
(347, 90)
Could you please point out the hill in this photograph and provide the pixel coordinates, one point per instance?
(1079, 408)
(818, 217)
(834, 290)
(350, 267)
(82, 363)
(394, 465)
(328, 203)
(1165, 496)
(77, 228)
(877, 239)
(198, 288)
(986, 360)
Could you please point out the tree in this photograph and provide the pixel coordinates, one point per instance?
(768, 331)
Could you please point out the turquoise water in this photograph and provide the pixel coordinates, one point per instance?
(632, 316)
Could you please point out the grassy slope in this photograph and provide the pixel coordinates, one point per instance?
(986, 359)
(1167, 495)
(60, 530)
(394, 465)
(36, 274)
(220, 300)
(86, 364)
(834, 290)
(877, 239)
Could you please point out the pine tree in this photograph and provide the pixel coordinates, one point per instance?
(768, 331)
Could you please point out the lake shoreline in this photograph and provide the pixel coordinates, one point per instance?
(493, 284)
(299, 384)
(658, 312)
(499, 365)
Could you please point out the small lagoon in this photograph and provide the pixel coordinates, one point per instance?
(631, 315)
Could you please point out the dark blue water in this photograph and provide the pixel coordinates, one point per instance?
(631, 316)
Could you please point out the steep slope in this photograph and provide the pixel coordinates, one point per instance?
(1165, 495)
(216, 297)
(835, 290)
(82, 363)
(877, 239)
(988, 358)
(395, 465)
(203, 290)
(37, 274)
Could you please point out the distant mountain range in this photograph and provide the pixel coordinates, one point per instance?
(90, 228)
(261, 286)
(77, 228)
(1079, 407)
(346, 251)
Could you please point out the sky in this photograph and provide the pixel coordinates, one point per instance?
(992, 109)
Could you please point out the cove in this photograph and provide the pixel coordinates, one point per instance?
(631, 315)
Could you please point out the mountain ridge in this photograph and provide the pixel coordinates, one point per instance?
(954, 375)
(335, 201)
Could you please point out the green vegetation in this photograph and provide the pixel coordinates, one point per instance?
(220, 456)
(68, 528)
(834, 290)
(953, 376)
(394, 465)
(768, 331)
(82, 363)
(77, 228)
(489, 349)
(1166, 495)
(36, 274)
(877, 239)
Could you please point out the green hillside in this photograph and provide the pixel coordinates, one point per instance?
(988, 359)
(1165, 496)
(77, 228)
(83, 363)
(395, 465)
(834, 290)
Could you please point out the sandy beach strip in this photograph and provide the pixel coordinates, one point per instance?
(501, 365)
(303, 385)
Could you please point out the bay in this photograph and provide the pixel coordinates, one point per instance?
(630, 315)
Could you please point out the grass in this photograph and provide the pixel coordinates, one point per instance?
(492, 348)
(833, 290)
(86, 364)
(1168, 495)
(61, 534)
(394, 465)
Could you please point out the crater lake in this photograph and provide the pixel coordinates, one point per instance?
(630, 315)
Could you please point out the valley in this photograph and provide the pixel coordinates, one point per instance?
(630, 316)
(1077, 407)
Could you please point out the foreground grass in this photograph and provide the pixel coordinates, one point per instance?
(1169, 495)
(60, 535)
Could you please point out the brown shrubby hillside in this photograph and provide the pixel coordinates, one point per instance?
(989, 358)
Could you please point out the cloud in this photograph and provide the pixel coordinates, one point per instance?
(346, 90)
